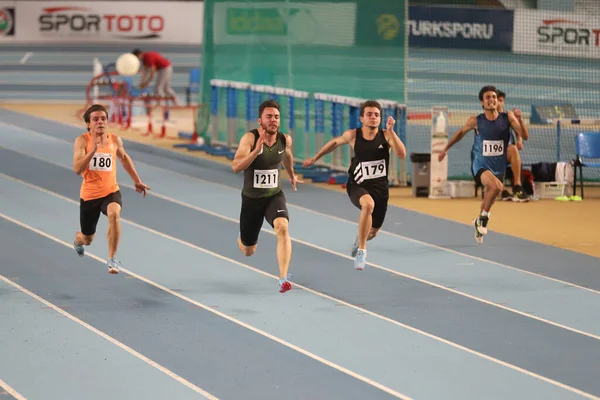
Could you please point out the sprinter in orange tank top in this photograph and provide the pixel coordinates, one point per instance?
(94, 156)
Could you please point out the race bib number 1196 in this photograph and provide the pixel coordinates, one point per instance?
(493, 148)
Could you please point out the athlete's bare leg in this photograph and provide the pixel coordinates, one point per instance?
(493, 187)
(80, 241)
(367, 205)
(284, 251)
(246, 250)
(284, 245)
(113, 235)
(372, 233)
(84, 240)
(365, 231)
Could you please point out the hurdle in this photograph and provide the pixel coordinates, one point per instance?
(238, 120)
(234, 111)
(255, 95)
(223, 145)
(165, 111)
(333, 168)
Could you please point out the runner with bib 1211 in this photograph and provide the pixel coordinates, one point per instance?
(368, 185)
(260, 155)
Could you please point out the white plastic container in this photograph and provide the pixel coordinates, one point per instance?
(548, 190)
(461, 189)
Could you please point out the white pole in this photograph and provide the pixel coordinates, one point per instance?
(96, 70)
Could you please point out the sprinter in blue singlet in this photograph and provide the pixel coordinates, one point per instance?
(492, 134)
(489, 146)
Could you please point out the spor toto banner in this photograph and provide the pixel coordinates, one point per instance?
(110, 22)
(563, 34)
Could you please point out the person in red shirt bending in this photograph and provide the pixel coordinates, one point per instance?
(154, 63)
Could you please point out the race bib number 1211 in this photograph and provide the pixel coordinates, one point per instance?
(265, 178)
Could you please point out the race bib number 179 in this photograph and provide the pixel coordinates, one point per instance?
(373, 169)
(492, 148)
(101, 162)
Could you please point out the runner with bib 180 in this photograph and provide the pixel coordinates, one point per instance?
(260, 155)
(94, 155)
(368, 185)
(492, 134)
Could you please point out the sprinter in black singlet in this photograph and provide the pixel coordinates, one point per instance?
(260, 155)
(367, 186)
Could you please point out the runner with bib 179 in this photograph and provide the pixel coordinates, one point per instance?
(368, 185)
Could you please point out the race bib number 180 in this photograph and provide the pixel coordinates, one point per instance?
(265, 178)
(101, 162)
(373, 169)
(492, 148)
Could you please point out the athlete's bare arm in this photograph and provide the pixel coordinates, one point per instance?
(393, 140)
(288, 162)
(469, 125)
(518, 125)
(345, 138)
(80, 159)
(127, 163)
(244, 154)
(288, 157)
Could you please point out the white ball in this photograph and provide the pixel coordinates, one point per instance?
(127, 64)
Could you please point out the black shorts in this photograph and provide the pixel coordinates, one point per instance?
(89, 211)
(380, 197)
(254, 210)
(477, 176)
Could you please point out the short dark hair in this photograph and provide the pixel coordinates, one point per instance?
(268, 103)
(369, 103)
(487, 88)
(501, 94)
(136, 52)
(93, 108)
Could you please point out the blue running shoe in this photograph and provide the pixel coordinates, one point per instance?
(79, 249)
(360, 260)
(354, 247)
(113, 265)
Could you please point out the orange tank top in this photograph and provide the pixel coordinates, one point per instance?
(100, 176)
